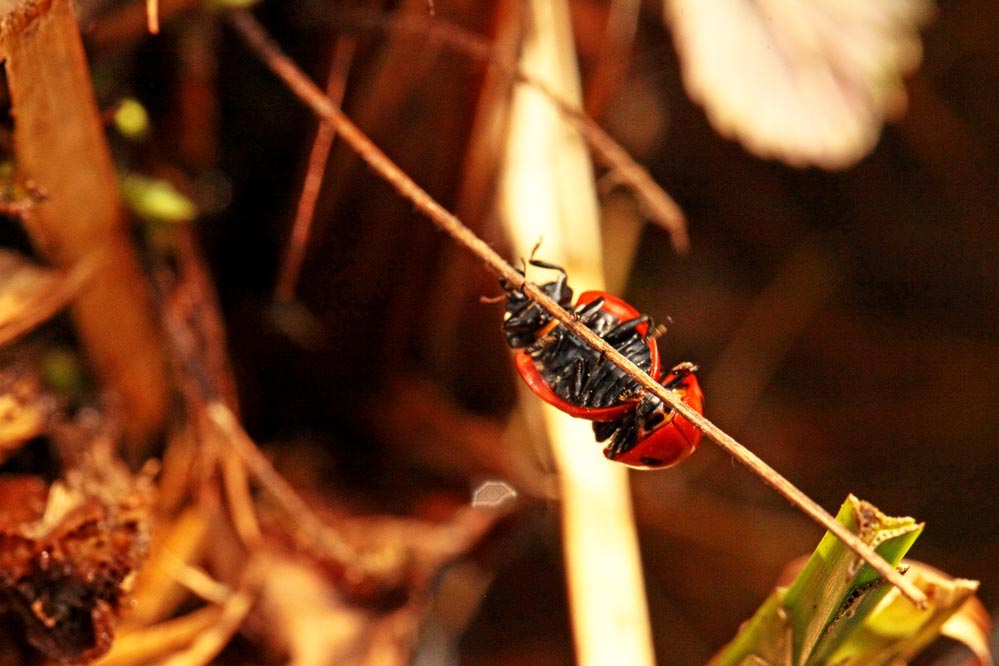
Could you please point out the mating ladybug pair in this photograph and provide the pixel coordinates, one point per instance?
(566, 372)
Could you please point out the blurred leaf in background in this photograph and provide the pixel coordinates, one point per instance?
(808, 82)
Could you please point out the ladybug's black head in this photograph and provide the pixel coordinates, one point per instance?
(524, 318)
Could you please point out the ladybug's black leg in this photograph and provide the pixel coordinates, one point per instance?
(657, 331)
(637, 350)
(682, 371)
(627, 327)
(654, 420)
(614, 390)
(522, 326)
(549, 343)
(509, 286)
(650, 412)
(625, 438)
(577, 374)
(568, 365)
(558, 290)
(589, 311)
(540, 263)
(598, 377)
(604, 429)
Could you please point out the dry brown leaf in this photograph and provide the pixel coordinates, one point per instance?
(30, 294)
(157, 593)
(971, 624)
(810, 82)
(66, 552)
(24, 409)
(142, 646)
(307, 617)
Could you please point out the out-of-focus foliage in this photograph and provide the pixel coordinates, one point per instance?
(131, 119)
(809, 82)
(156, 200)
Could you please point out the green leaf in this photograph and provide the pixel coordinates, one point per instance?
(63, 374)
(835, 592)
(896, 630)
(156, 200)
(131, 119)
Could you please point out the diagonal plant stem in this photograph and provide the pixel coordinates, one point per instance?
(294, 252)
(257, 38)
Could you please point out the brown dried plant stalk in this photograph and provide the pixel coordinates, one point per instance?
(257, 38)
(60, 147)
(301, 228)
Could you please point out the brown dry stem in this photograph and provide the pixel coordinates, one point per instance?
(294, 254)
(615, 53)
(255, 36)
(61, 149)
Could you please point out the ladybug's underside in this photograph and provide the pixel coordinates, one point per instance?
(566, 372)
(581, 375)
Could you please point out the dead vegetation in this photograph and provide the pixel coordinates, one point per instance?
(393, 514)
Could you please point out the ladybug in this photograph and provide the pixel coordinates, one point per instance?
(653, 435)
(561, 368)
(567, 373)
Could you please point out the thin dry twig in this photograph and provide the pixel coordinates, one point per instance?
(618, 41)
(196, 580)
(360, 565)
(310, 94)
(205, 381)
(294, 254)
(658, 205)
(163, 639)
(207, 644)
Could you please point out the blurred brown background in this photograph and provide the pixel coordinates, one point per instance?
(846, 324)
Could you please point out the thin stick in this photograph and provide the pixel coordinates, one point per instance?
(294, 253)
(207, 644)
(615, 52)
(360, 565)
(311, 95)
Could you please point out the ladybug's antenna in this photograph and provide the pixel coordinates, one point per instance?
(537, 246)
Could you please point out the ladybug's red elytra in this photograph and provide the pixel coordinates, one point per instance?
(565, 372)
(653, 435)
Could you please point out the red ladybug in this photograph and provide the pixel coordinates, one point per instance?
(653, 435)
(562, 369)
(566, 372)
